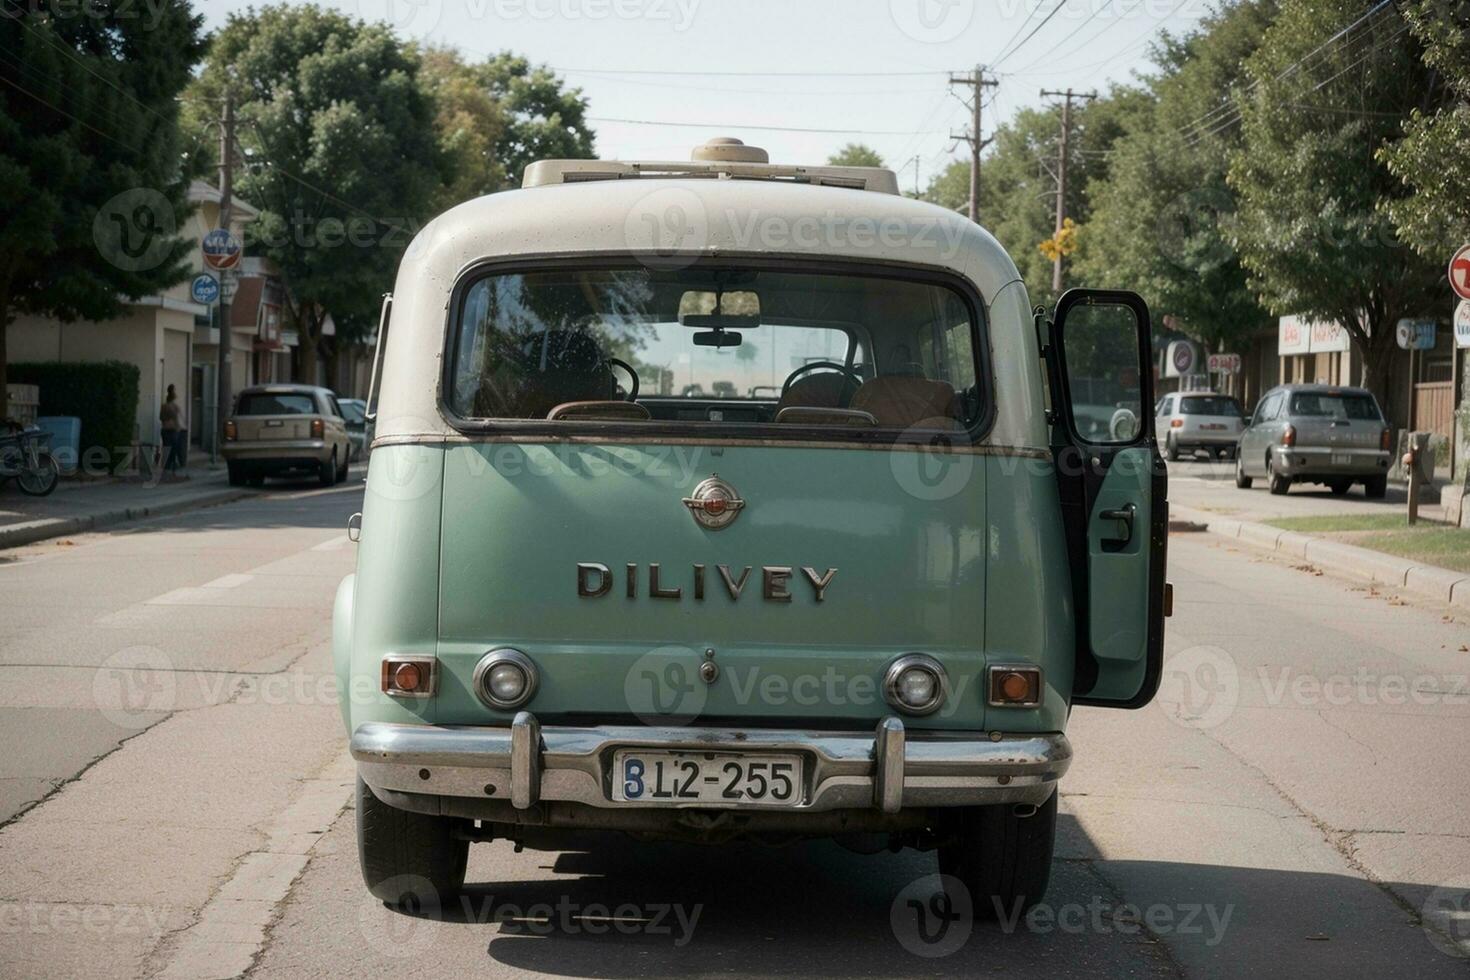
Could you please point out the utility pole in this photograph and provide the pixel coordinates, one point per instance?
(976, 80)
(223, 402)
(916, 175)
(1067, 97)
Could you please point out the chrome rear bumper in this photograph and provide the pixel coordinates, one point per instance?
(888, 769)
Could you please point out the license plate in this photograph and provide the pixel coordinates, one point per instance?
(1342, 459)
(1213, 427)
(718, 779)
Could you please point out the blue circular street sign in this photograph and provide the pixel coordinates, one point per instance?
(204, 289)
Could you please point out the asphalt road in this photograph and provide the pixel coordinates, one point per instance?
(1210, 485)
(1291, 805)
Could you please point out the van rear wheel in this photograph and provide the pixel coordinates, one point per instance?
(409, 860)
(1003, 859)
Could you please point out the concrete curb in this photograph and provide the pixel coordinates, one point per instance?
(1429, 581)
(29, 532)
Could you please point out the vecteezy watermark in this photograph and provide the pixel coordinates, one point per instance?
(408, 17)
(149, 11)
(670, 228)
(664, 686)
(932, 21)
(136, 230)
(1100, 917)
(1362, 687)
(932, 462)
(133, 686)
(1445, 917)
(677, 14)
(1200, 687)
(932, 916)
(307, 231)
(67, 919)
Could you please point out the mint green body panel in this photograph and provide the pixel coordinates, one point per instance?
(958, 556)
(1119, 578)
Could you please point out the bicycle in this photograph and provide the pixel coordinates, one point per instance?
(26, 458)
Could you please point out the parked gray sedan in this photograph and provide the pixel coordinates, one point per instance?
(1316, 434)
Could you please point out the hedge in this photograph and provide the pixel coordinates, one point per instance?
(103, 394)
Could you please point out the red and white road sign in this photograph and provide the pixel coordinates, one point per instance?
(221, 249)
(1223, 363)
(1460, 272)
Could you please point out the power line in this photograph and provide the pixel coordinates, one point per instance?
(1073, 33)
(1046, 20)
(1005, 48)
(748, 74)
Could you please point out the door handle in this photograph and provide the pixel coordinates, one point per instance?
(1125, 515)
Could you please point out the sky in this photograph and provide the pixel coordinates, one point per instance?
(664, 75)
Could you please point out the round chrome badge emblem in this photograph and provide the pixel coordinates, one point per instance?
(715, 504)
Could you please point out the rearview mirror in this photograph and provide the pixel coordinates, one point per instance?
(717, 338)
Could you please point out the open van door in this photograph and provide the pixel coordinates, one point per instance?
(1113, 491)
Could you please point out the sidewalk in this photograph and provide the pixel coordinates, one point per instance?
(1428, 581)
(84, 505)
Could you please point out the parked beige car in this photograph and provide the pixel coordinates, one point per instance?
(280, 429)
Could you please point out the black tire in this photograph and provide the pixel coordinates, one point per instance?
(1376, 487)
(411, 861)
(43, 479)
(1171, 451)
(1241, 480)
(1277, 484)
(255, 481)
(328, 471)
(237, 474)
(346, 463)
(1001, 858)
(1339, 487)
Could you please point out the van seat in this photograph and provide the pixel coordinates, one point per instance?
(903, 401)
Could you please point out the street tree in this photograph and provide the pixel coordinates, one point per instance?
(90, 149)
(1433, 157)
(332, 122)
(1312, 191)
(855, 155)
(470, 123)
(1162, 220)
(544, 120)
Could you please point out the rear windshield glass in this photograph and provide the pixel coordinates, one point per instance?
(715, 345)
(260, 403)
(1334, 406)
(1213, 405)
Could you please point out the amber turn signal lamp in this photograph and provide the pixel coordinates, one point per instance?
(406, 676)
(1014, 686)
(1176, 423)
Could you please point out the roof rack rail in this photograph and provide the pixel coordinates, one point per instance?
(723, 158)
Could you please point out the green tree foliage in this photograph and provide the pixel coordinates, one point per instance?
(470, 123)
(89, 157)
(1312, 226)
(1433, 158)
(855, 155)
(1018, 187)
(332, 120)
(1163, 219)
(544, 119)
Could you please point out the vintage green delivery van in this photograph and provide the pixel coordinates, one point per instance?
(723, 500)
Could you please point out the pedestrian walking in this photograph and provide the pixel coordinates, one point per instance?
(173, 433)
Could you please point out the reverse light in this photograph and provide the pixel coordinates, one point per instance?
(409, 675)
(231, 433)
(1013, 686)
(505, 678)
(1288, 436)
(318, 428)
(915, 684)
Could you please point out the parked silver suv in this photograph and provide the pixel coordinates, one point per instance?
(1186, 422)
(1316, 434)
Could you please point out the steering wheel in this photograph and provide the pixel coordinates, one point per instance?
(632, 395)
(843, 369)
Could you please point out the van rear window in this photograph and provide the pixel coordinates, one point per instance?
(1335, 406)
(263, 403)
(714, 344)
(1210, 405)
